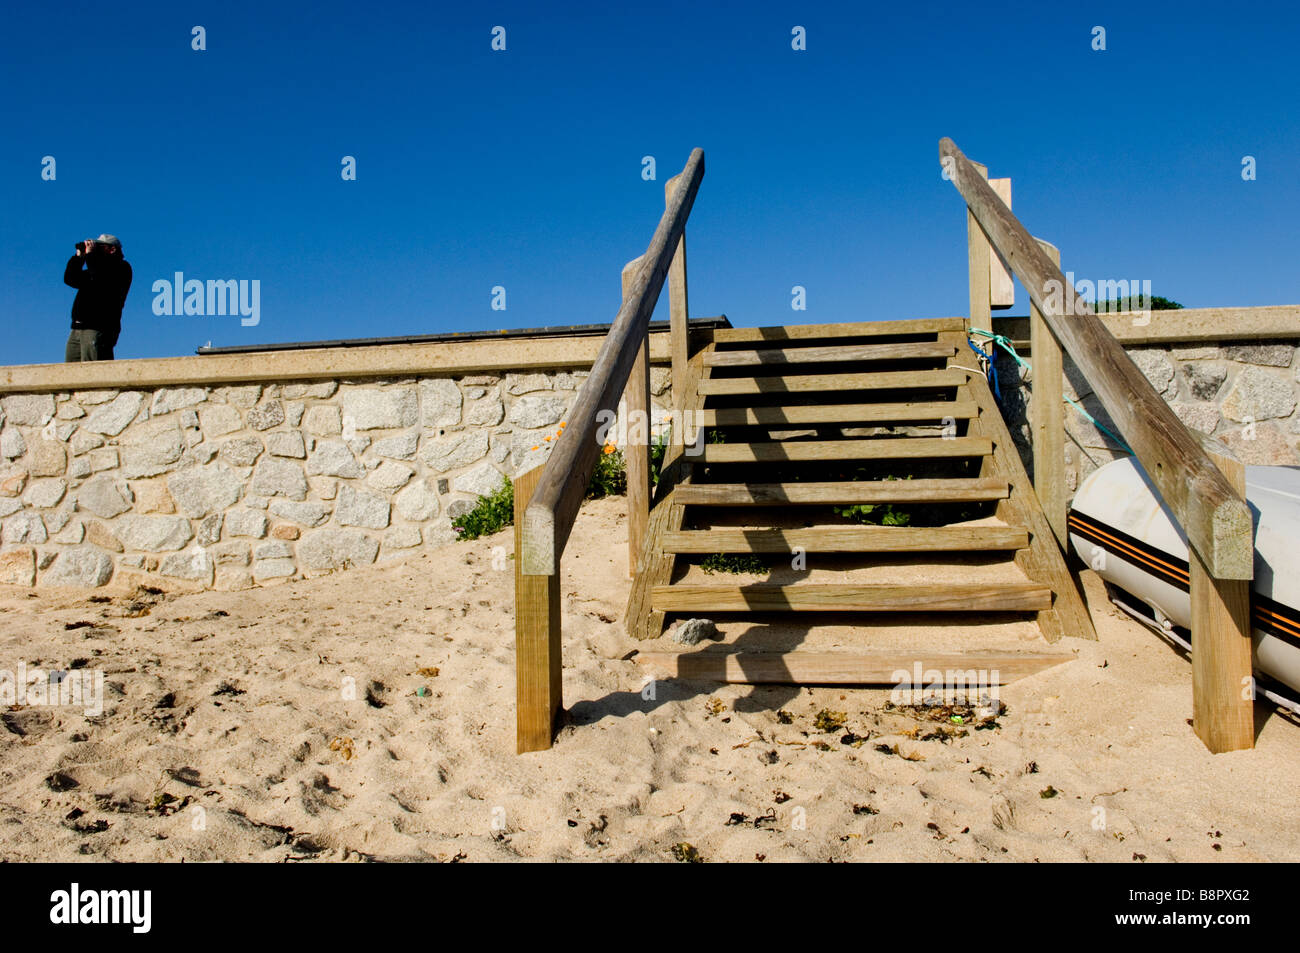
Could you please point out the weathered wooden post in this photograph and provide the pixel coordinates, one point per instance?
(1208, 504)
(1047, 415)
(990, 280)
(547, 499)
(636, 404)
(1223, 709)
(538, 673)
(1002, 289)
(678, 312)
(979, 255)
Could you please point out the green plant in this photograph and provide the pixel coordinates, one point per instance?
(496, 511)
(608, 476)
(880, 514)
(733, 562)
(491, 514)
(658, 450)
(1135, 303)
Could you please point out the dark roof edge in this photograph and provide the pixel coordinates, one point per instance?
(571, 330)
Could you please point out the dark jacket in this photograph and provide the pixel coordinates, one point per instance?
(101, 291)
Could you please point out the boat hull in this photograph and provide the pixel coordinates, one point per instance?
(1120, 527)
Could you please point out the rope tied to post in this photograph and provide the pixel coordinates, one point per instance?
(1001, 340)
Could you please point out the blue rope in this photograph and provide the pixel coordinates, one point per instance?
(1001, 340)
(991, 373)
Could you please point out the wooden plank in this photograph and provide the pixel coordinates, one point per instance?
(1220, 325)
(1047, 418)
(804, 332)
(440, 358)
(674, 455)
(555, 503)
(538, 667)
(839, 352)
(1214, 516)
(678, 305)
(847, 539)
(881, 380)
(850, 597)
(900, 412)
(864, 491)
(979, 257)
(1002, 291)
(873, 448)
(642, 620)
(636, 407)
(1223, 710)
(975, 669)
(1042, 561)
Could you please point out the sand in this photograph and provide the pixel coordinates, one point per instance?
(226, 734)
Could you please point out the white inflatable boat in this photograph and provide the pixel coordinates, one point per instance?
(1122, 529)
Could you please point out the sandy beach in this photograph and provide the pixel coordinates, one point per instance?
(369, 715)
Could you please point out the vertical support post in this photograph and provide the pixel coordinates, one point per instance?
(636, 403)
(979, 255)
(1047, 416)
(1223, 710)
(678, 311)
(538, 671)
(1002, 290)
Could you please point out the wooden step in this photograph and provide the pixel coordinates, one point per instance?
(832, 353)
(1009, 597)
(907, 412)
(782, 384)
(863, 491)
(797, 332)
(847, 539)
(845, 668)
(875, 448)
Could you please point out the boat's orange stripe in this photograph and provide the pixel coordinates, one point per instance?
(1137, 554)
(1281, 620)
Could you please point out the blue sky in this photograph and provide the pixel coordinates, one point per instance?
(523, 168)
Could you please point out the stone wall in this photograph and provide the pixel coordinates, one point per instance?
(242, 485)
(1245, 394)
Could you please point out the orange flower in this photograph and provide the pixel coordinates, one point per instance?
(536, 448)
(609, 448)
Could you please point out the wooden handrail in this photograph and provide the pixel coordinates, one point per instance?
(1211, 511)
(554, 504)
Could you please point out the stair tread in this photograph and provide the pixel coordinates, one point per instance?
(863, 491)
(867, 448)
(911, 411)
(860, 597)
(829, 354)
(871, 666)
(798, 383)
(795, 332)
(847, 539)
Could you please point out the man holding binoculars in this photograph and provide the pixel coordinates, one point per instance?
(102, 278)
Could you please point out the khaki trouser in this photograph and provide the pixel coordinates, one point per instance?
(87, 345)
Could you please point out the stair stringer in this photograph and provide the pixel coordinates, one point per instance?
(1042, 561)
(654, 567)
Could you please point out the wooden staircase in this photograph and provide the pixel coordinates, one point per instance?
(799, 421)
